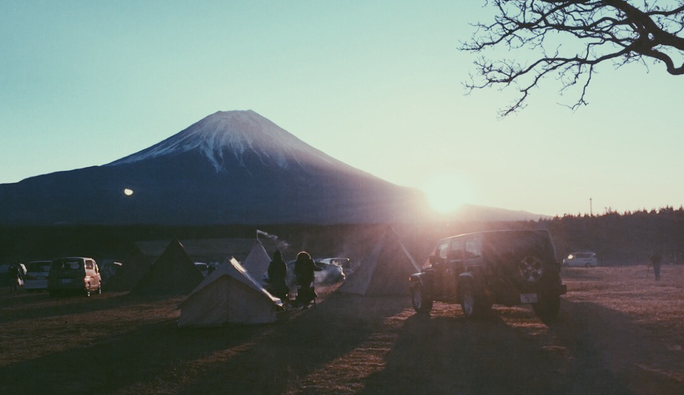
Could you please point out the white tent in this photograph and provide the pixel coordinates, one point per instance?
(257, 261)
(228, 295)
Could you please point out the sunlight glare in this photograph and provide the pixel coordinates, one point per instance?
(446, 193)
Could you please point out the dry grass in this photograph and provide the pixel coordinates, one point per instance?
(620, 332)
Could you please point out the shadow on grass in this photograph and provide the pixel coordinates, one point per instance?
(328, 331)
(601, 338)
(591, 350)
(119, 361)
(41, 305)
(160, 358)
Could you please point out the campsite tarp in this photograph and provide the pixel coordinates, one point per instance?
(228, 295)
(257, 261)
(385, 271)
(173, 273)
(133, 269)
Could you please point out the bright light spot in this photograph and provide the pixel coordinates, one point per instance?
(446, 193)
(128, 192)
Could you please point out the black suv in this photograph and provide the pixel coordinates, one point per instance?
(503, 267)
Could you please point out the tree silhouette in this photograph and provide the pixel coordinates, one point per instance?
(569, 38)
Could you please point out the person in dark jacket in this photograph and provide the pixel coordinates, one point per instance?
(656, 261)
(304, 271)
(277, 272)
(15, 278)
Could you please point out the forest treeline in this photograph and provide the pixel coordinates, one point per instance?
(617, 238)
(622, 238)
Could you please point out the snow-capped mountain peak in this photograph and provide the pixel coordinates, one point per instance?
(233, 133)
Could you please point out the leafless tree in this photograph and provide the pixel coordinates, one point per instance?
(569, 38)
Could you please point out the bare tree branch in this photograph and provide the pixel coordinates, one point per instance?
(584, 34)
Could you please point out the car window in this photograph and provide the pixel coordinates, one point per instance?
(521, 241)
(456, 250)
(443, 249)
(38, 267)
(473, 248)
(89, 264)
(67, 265)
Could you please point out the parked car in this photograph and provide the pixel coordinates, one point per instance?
(108, 270)
(330, 273)
(202, 267)
(74, 274)
(582, 258)
(496, 267)
(324, 274)
(344, 263)
(36, 278)
(4, 275)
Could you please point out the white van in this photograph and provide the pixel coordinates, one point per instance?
(581, 258)
(74, 274)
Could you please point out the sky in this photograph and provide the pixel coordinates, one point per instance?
(375, 84)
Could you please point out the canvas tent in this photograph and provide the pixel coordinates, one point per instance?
(132, 270)
(173, 273)
(385, 271)
(257, 261)
(228, 295)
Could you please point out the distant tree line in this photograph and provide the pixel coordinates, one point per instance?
(617, 238)
(621, 238)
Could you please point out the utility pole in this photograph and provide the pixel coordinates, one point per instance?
(591, 208)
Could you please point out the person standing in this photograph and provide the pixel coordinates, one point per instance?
(304, 271)
(14, 277)
(656, 261)
(277, 272)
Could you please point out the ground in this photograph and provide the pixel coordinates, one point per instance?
(620, 332)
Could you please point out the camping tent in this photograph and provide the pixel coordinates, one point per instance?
(257, 261)
(173, 273)
(228, 295)
(133, 269)
(385, 271)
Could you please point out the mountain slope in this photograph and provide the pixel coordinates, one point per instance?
(230, 167)
(236, 134)
(233, 167)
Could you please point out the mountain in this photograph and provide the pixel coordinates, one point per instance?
(232, 167)
(471, 212)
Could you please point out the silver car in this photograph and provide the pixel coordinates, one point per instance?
(36, 278)
(581, 258)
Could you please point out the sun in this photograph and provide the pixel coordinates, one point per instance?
(446, 193)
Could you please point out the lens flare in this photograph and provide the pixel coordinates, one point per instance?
(446, 193)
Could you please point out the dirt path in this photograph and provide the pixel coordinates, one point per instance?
(619, 333)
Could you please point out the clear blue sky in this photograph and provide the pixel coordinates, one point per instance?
(376, 84)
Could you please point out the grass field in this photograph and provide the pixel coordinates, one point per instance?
(620, 332)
